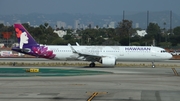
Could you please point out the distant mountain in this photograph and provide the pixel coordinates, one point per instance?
(139, 19)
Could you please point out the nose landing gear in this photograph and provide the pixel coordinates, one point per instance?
(153, 65)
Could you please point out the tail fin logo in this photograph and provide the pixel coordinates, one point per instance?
(22, 36)
(28, 45)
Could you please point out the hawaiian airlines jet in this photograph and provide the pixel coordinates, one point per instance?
(107, 55)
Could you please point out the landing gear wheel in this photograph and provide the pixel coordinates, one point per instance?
(92, 64)
(153, 66)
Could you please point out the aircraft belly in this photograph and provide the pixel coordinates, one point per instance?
(135, 57)
(65, 57)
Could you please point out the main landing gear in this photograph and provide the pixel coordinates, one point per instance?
(92, 64)
(153, 65)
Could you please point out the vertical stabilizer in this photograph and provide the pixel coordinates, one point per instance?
(28, 45)
(25, 39)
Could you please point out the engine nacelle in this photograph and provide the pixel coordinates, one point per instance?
(108, 61)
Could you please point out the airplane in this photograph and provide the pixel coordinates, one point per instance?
(106, 55)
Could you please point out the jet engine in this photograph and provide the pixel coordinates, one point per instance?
(108, 61)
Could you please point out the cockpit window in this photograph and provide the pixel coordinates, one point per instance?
(163, 51)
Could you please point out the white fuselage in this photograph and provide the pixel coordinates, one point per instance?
(120, 53)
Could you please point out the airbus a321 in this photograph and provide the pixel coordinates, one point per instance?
(106, 55)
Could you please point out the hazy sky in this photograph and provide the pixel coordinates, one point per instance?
(86, 6)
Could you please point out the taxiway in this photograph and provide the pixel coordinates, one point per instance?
(122, 84)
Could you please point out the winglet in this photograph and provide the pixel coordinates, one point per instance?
(73, 50)
(77, 44)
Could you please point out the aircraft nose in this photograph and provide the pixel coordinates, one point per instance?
(169, 56)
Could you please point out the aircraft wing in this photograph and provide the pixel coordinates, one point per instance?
(86, 56)
(89, 57)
